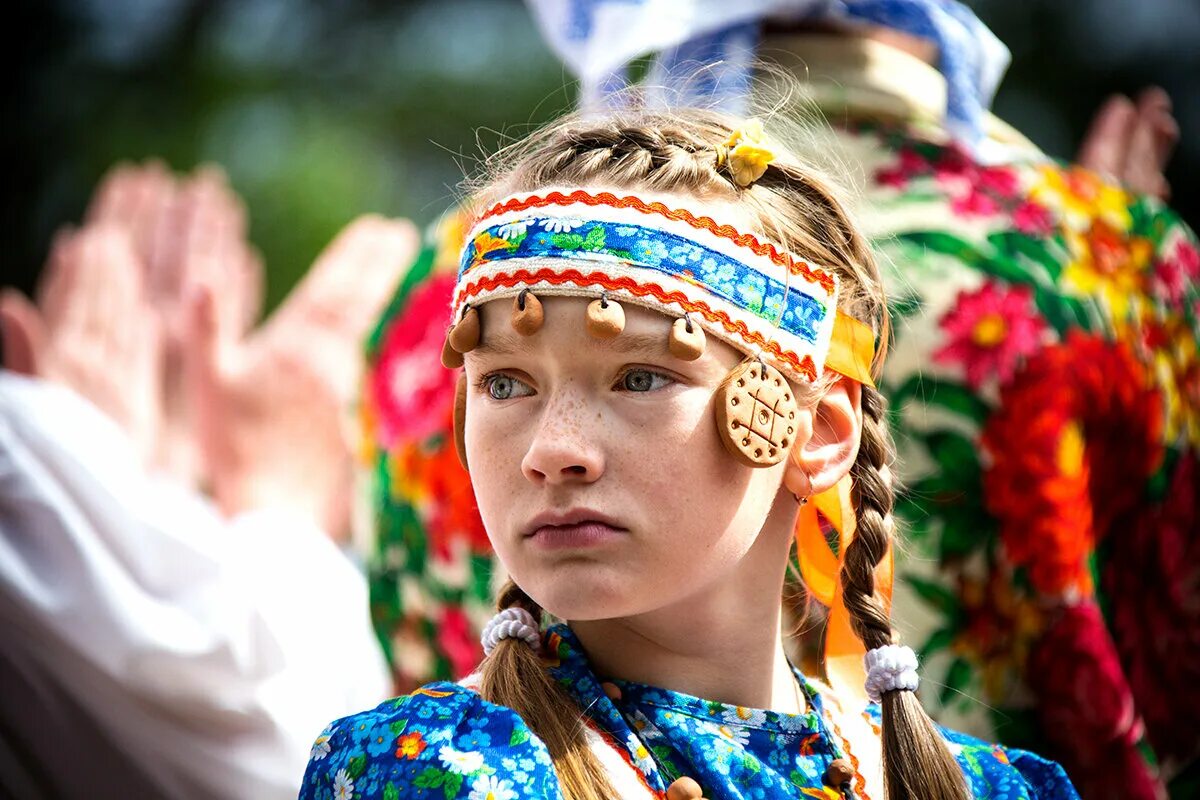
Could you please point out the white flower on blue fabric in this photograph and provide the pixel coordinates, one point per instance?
(561, 224)
(626, 230)
(320, 747)
(490, 787)
(512, 230)
(343, 786)
(641, 754)
(460, 762)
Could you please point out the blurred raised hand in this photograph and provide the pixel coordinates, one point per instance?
(186, 231)
(1132, 141)
(270, 406)
(93, 329)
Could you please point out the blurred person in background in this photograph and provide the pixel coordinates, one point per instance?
(160, 642)
(1026, 506)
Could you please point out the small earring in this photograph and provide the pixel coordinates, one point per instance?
(527, 315)
(687, 340)
(605, 318)
(756, 414)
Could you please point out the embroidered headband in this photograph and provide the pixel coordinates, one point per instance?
(596, 244)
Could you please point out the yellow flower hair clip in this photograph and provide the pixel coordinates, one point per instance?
(746, 153)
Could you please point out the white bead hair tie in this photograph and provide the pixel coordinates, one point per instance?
(890, 668)
(511, 623)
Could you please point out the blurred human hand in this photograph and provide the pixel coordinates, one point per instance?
(186, 232)
(270, 406)
(1131, 142)
(93, 329)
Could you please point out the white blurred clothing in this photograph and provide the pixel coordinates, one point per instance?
(151, 647)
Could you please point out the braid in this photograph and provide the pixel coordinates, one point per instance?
(916, 762)
(514, 676)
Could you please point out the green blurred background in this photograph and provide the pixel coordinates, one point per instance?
(323, 111)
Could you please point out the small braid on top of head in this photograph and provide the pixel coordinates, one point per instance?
(916, 762)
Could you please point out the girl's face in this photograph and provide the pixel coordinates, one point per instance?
(597, 466)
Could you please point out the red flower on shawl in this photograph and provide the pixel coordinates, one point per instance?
(1076, 435)
(990, 330)
(428, 476)
(458, 641)
(1152, 582)
(1033, 219)
(1086, 708)
(1177, 272)
(909, 165)
(408, 388)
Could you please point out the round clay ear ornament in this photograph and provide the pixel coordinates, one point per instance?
(527, 315)
(605, 318)
(687, 339)
(460, 420)
(756, 414)
(464, 336)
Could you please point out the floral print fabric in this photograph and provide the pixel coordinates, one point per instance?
(1046, 379)
(444, 741)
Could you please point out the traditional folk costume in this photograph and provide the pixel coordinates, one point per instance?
(1045, 366)
(619, 248)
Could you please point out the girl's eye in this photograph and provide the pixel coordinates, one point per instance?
(643, 380)
(505, 387)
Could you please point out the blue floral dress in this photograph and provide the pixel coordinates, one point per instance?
(444, 741)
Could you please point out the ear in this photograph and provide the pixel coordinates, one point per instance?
(820, 461)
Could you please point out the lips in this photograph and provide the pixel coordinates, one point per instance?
(576, 528)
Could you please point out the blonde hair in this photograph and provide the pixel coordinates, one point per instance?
(792, 205)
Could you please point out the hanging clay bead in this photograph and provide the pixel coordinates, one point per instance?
(527, 316)
(612, 690)
(687, 339)
(684, 789)
(460, 420)
(838, 773)
(756, 414)
(451, 358)
(464, 336)
(605, 318)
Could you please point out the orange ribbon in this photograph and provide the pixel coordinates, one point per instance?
(821, 569)
(851, 349)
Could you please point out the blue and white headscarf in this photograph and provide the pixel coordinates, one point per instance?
(596, 39)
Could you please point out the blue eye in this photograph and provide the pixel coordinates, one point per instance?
(643, 380)
(505, 387)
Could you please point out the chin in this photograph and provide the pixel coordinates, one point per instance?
(583, 592)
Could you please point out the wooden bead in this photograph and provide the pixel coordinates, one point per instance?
(451, 358)
(605, 318)
(464, 336)
(687, 340)
(756, 414)
(527, 315)
(612, 690)
(460, 420)
(839, 773)
(684, 789)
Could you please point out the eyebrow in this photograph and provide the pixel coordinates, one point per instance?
(625, 343)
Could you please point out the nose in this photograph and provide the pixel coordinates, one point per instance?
(564, 450)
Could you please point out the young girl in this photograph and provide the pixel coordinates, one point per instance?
(668, 329)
